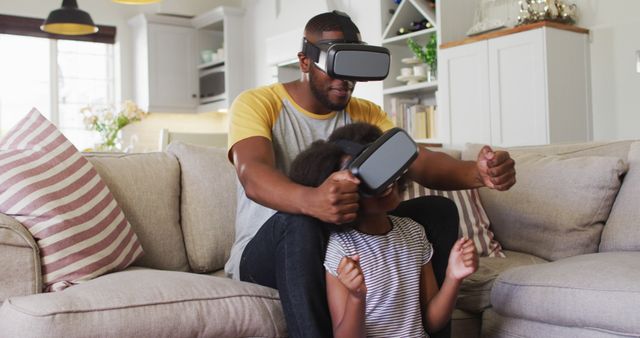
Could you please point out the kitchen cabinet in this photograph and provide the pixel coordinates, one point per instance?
(528, 85)
(164, 63)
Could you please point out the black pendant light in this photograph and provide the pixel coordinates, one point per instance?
(69, 20)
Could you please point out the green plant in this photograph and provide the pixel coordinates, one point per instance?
(108, 121)
(428, 54)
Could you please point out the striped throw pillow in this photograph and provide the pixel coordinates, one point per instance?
(48, 186)
(474, 223)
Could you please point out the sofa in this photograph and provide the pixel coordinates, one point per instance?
(571, 270)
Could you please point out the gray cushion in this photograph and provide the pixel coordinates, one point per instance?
(622, 231)
(208, 204)
(475, 291)
(19, 258)
(558, 206)
(147, 188)
(148, 303)
(497, 326)
(599, 291)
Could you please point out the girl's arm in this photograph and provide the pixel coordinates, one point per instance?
(346, 295)
(437, 305)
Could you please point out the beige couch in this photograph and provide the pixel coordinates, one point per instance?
(182, 204)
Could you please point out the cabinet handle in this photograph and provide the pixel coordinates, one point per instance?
(194, 96)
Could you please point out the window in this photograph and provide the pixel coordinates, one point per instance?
(56, 76)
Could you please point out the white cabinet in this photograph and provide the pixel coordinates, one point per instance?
(220, 31)
(524, 86)
(169, 64)
(164, 50)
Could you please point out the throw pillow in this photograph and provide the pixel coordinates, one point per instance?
(49, 187)
(474, 223)
(558, 206)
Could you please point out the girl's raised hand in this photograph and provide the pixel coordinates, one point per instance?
(351, 276)
(463, 260)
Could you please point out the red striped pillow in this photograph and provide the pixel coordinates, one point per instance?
(48, 186)
(474, 223)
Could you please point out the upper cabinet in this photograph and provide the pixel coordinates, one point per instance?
(188, 64)
(164, 60)
(411, 87)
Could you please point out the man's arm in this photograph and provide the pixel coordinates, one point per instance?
(437, 170)
(335, 201)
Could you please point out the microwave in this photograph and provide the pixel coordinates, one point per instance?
(212, 85)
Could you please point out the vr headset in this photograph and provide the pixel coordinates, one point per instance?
(382, 162)
(348, 58)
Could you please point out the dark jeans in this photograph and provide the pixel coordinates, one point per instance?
(287, 254)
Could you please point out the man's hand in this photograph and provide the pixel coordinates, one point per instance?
(336, 199)
(351, 276)
(496, 169)
(463, 259)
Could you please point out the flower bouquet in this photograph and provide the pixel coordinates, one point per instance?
(108, 121)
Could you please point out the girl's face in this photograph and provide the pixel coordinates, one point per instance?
(388, 200)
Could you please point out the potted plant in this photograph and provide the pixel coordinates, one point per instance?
(427, 54)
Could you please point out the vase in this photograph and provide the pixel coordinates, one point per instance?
(111, 141)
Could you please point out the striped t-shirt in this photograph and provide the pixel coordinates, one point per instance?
(391, 264)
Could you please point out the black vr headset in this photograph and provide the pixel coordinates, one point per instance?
(348, 58)
(382, 162)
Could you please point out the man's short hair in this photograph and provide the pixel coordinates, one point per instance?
(327, 22)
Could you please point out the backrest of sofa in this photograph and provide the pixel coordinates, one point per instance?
(147, 188)
(622, 230)
(208, 204)
(562, 199)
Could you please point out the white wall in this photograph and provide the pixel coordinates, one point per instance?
(266, 19)
(614, 38)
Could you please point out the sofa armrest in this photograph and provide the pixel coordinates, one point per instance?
(20, 260)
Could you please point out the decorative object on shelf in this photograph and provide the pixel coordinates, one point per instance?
(546, 10)
(427, 54)
(69, 20)
(491, 15)
(106, 121)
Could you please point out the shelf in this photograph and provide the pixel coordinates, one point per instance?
(414, 88)
(402, 39)
(211, 64)
(407, 11)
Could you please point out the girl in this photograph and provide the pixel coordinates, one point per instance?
(379, 278)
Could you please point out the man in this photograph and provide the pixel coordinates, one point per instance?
(280, 237)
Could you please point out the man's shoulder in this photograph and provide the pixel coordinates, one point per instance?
(267, 91)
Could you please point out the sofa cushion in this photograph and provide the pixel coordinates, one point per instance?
(497, 326)
(598, 291)
(148, 303)
(474, 223)
(475, 291)
(147, 187)
(49, 187)
(558, 206)
(622, 231)
(208, 204)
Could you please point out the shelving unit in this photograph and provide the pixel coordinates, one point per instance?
(221, 29)
(450, 20)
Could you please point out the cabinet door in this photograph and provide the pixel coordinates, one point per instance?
(518, 89)
(464, 93)
(172, 69)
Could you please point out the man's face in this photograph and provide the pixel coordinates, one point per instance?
(334, 94)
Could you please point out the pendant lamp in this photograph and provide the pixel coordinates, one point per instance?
(69, 20)
(136, 2)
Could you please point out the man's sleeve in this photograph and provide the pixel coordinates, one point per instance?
(252, 113)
